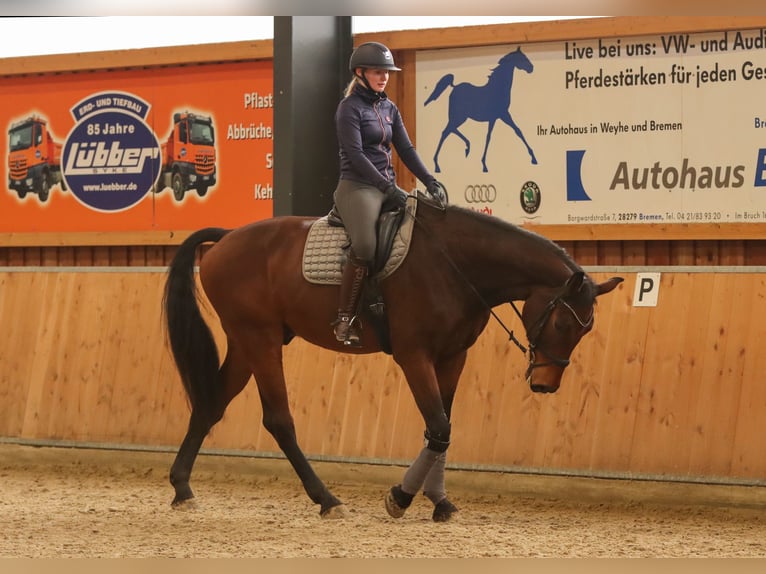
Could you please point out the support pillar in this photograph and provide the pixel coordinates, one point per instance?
(310, 73)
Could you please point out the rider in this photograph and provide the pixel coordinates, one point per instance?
(367, 124)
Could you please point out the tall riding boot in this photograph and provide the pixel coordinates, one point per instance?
(346, 326)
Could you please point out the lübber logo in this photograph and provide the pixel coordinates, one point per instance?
(94, 157)
(111, 158)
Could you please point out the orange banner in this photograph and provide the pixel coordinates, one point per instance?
(162, 149)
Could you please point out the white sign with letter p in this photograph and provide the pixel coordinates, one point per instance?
(647, 290)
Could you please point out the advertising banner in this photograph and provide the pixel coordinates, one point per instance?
(158, 149)
(658, 129)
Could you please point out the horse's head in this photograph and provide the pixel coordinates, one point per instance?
(516, 59)
(555, 321)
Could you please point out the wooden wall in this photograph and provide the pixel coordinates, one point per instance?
(674, 390)
(651, 253)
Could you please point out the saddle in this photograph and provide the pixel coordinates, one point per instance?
(325, 252)
(327, 243)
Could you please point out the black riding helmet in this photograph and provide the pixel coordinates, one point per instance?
(372, 55)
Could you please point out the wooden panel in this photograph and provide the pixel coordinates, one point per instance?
(556, 30)
(669, 390)
(587, 253)
(138, 58)
(89, 353)
(613, 353)
(748, 456)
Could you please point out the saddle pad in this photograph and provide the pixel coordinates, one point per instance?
(323, 253)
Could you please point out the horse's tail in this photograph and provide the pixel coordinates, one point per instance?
(191, 341)
(446, 81)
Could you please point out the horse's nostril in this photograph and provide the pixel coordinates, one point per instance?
(541, 389)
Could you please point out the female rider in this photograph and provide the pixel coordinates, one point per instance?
(368, 124)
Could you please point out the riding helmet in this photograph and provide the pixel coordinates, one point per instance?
(372, 55)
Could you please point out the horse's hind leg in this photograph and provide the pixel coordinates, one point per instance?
(232, 378)
(450, 129)
(266, 362)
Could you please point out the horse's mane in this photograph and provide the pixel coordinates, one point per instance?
(503, 63)
(509, 228)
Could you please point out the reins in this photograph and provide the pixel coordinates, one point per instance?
(538, 326)
(443, 208)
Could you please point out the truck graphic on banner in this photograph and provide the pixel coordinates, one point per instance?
(188, 155)
(34, 158)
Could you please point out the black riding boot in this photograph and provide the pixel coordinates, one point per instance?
(346, 326)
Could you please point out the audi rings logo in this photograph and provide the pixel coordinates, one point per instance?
(480, 193)
(530, 197)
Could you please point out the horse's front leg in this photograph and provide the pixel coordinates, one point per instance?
(434, 390)
(486, 146)
(444, 135)
(434, 489)
(509, 120)
(448, 374)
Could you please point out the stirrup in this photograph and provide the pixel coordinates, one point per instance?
(345, 331)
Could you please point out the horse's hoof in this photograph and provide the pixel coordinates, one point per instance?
(393, 509)
(397, 502)
(335, 512)
(186, 505)
(444, 511)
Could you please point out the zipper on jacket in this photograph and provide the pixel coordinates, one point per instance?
(389, 167)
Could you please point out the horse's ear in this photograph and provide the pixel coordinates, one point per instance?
(574, 283)
(608, 285)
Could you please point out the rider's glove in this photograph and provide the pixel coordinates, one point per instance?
(395, 195)
(438, 192)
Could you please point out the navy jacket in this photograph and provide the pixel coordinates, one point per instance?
(367, 124)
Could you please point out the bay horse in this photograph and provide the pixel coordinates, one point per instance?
(459, 266)
(487, 103)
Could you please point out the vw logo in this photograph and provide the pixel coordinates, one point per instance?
(480, 193)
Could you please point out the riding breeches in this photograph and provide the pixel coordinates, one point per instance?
(359, 206)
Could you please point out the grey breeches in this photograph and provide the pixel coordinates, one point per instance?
(359, 206)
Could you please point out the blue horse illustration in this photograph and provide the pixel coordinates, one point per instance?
(487, 103)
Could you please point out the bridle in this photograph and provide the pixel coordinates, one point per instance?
(533, 335)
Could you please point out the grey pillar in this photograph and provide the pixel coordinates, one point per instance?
(310, 73)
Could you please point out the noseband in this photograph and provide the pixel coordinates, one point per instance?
(537, 329)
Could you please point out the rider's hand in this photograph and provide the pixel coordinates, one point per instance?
(395, 195)
(438, 192)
